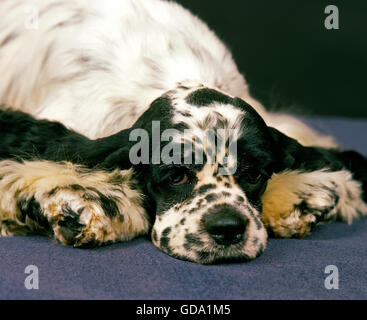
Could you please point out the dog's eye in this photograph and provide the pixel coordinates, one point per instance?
(179, 178)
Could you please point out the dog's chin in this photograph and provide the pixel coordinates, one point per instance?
(226, 256)
(217, 254)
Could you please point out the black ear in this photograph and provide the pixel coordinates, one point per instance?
(111, 152)
(285, 150)
(290, 154)
(118, 159)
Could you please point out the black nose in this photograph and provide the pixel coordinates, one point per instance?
(225, 225)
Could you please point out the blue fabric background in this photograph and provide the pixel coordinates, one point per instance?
(289, 268)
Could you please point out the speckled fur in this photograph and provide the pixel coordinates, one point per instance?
(96, 66)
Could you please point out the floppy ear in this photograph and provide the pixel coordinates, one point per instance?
(118, 159)
(289, 154)
(284, 149)
(129, 148)
(111, 152)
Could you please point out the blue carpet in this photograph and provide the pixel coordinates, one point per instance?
(289, 268)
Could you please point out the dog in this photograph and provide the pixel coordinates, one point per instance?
(205, 211)
(103, 70)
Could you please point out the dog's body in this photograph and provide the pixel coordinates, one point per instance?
(97, 67)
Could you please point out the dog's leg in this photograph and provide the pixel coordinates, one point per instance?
(77, 206)
(312, 185)
(295, 201)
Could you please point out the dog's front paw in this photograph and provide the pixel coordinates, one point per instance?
(82, 217)
(77, 206)
(75, 215)
(294, 202)
(91, 214)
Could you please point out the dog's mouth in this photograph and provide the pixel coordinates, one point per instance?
(225, 255)
(213, 254)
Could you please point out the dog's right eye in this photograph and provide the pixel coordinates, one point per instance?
(178, 178)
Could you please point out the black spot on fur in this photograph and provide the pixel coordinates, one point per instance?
(70, 227)
(108, 204)
(164, 245)
(110, 207)
(204, 97)
(192, 210)
(32, 209)
(240, 199)
(183, 221)
(166, 232)
(181, 126)
(321, 212)
(53, 191)
(303, 207)
(211, 197)
(76, 187)
(205, 188)
(226, 194)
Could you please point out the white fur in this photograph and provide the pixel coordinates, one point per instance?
(97, 65)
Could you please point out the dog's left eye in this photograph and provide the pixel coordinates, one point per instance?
(178, 178)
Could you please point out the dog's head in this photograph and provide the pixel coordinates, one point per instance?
(203, 160)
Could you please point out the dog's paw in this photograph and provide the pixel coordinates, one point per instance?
(77, 206)
(88, 215)
(295, 202)
(290, 214)
(76, 216)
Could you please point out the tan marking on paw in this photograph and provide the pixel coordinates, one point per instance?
(287, 190)
(22, 181)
